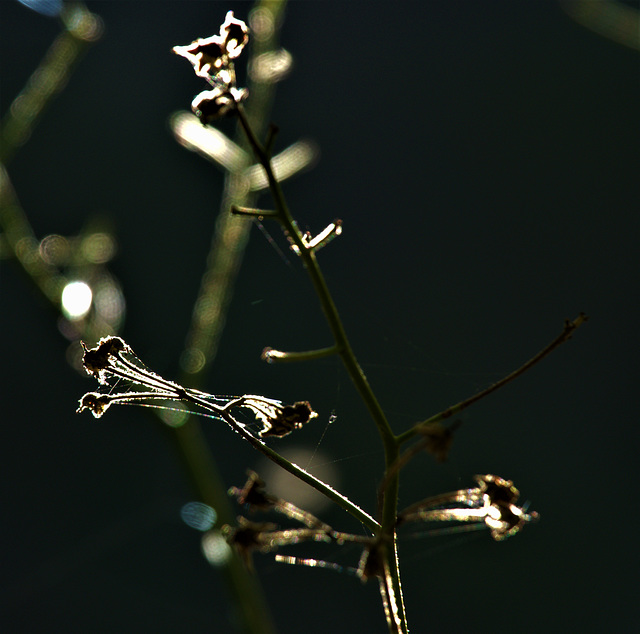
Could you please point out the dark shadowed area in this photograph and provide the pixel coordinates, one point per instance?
(484, 159)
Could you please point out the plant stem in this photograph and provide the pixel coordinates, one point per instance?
(565, 335)
(303, 475)
(343, 347)
(245, 593)
(81, 29)
(392, 574)
(326, 300)
(278, 356)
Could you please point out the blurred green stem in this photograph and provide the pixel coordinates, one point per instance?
(207, 324)
(22, 244)
(81, 28)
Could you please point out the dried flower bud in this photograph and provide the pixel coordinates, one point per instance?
(438, 439)
(278, 419)
(211, 59)
(492, 502)
(371, 563)
(96, 403)
(235, 35)
(497, 490)
(216, 103)
(205, 55)
(247, 537)
(253, 493)
(98, 360)
(503, 517)
(210, 55)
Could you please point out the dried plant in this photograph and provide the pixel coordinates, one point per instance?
(259, 420)
(492, 503)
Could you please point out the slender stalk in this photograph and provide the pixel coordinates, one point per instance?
(224, 413)
(388, 514)
(326, 300)
(565, 335)
(303, 475)
(300, 473)
(393, 588)
(278, 356)
(243, 588)
(392, 578)
(253, 212)
(80, 30)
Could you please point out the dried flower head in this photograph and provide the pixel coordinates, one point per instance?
(503, 517)
(254, 496)
(492, 502)
(278, 419)
(235, 35)
(113, 362)
(212, 59)
(247, 537)
(206, 55)
(212, 54)
(97, 361)
(253, 493)
(216, 103)
(371, 562)
(95, 402)
(438, 439)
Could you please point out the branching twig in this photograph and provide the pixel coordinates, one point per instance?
(565, 335)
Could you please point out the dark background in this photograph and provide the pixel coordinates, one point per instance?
(484, 159)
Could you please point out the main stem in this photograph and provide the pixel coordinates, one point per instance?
(343, 347)
(329, 309)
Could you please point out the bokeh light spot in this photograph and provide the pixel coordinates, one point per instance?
(98, 247)
(285, 485)
(271, 66)
(50, 8)
(174, 416)
(261, 23)
(198, 515)
(54, 250)
(192, 360)
(215, 548)
(76, 300)
(109, 301)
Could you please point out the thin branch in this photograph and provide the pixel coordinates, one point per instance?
(299, 472)
(565, 335)
(272, 133)
(253, 212)
(278, 356)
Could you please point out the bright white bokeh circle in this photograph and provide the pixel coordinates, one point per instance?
(76, 300)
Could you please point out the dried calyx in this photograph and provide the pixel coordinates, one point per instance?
(113, 363)
(212, 59)
(492, 502)
(248, 536)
